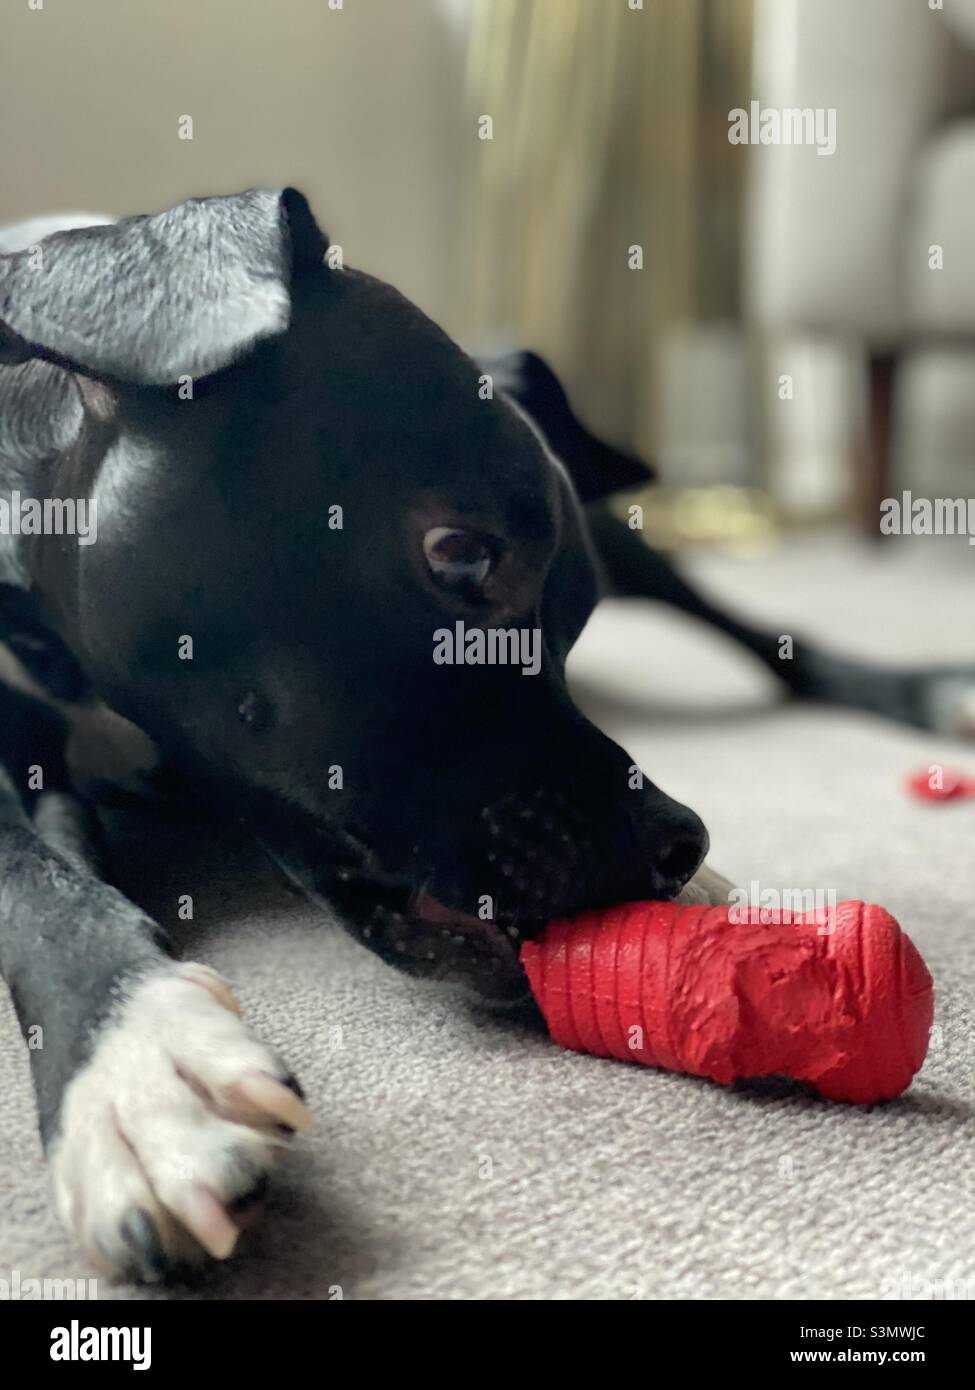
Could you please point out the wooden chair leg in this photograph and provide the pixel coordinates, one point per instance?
(876, 475)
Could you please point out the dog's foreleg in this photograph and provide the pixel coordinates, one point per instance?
(941, 699)
(160, 1112)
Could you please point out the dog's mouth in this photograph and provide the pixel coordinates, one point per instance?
(398, 916)
(412, 929)
(538, 861)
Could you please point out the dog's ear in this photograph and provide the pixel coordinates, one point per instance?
(151, 299)
(596, 468)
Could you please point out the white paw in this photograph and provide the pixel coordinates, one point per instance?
(170, 1127)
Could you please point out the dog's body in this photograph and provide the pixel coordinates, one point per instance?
(300, 482)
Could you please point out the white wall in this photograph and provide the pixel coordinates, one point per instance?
(359, 107)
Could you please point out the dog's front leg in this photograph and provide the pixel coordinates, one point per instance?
(160, 1112)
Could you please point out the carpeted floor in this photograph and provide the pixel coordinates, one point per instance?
(456, 1156)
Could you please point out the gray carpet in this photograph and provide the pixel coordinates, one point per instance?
(457, 1156)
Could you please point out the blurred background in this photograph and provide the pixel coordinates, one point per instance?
(790, 337)
(758, 264)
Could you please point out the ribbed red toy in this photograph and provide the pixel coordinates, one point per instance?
(724, 993)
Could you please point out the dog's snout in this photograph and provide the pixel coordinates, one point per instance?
(554, 854)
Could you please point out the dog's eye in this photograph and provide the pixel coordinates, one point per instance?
(254, 712)
(461, 560)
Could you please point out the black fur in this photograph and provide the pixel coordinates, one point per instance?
(312, 644)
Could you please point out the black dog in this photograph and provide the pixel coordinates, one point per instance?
(302, 489)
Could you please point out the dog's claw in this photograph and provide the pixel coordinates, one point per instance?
(275, 1099)
(216, 985)
(206, 1220)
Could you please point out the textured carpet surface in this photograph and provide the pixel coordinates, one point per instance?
(456, 1155)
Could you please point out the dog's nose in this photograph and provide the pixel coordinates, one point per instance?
(682, 858)
(676, 842)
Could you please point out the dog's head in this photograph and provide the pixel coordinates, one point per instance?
(336, 578)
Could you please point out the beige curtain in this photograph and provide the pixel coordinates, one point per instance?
(609, 131)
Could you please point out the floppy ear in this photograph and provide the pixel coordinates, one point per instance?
(150, 299)
(597, 469)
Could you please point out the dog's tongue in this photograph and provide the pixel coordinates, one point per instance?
(432, 910)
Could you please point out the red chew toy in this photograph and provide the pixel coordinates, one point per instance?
(938, 783)
(720, 992)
